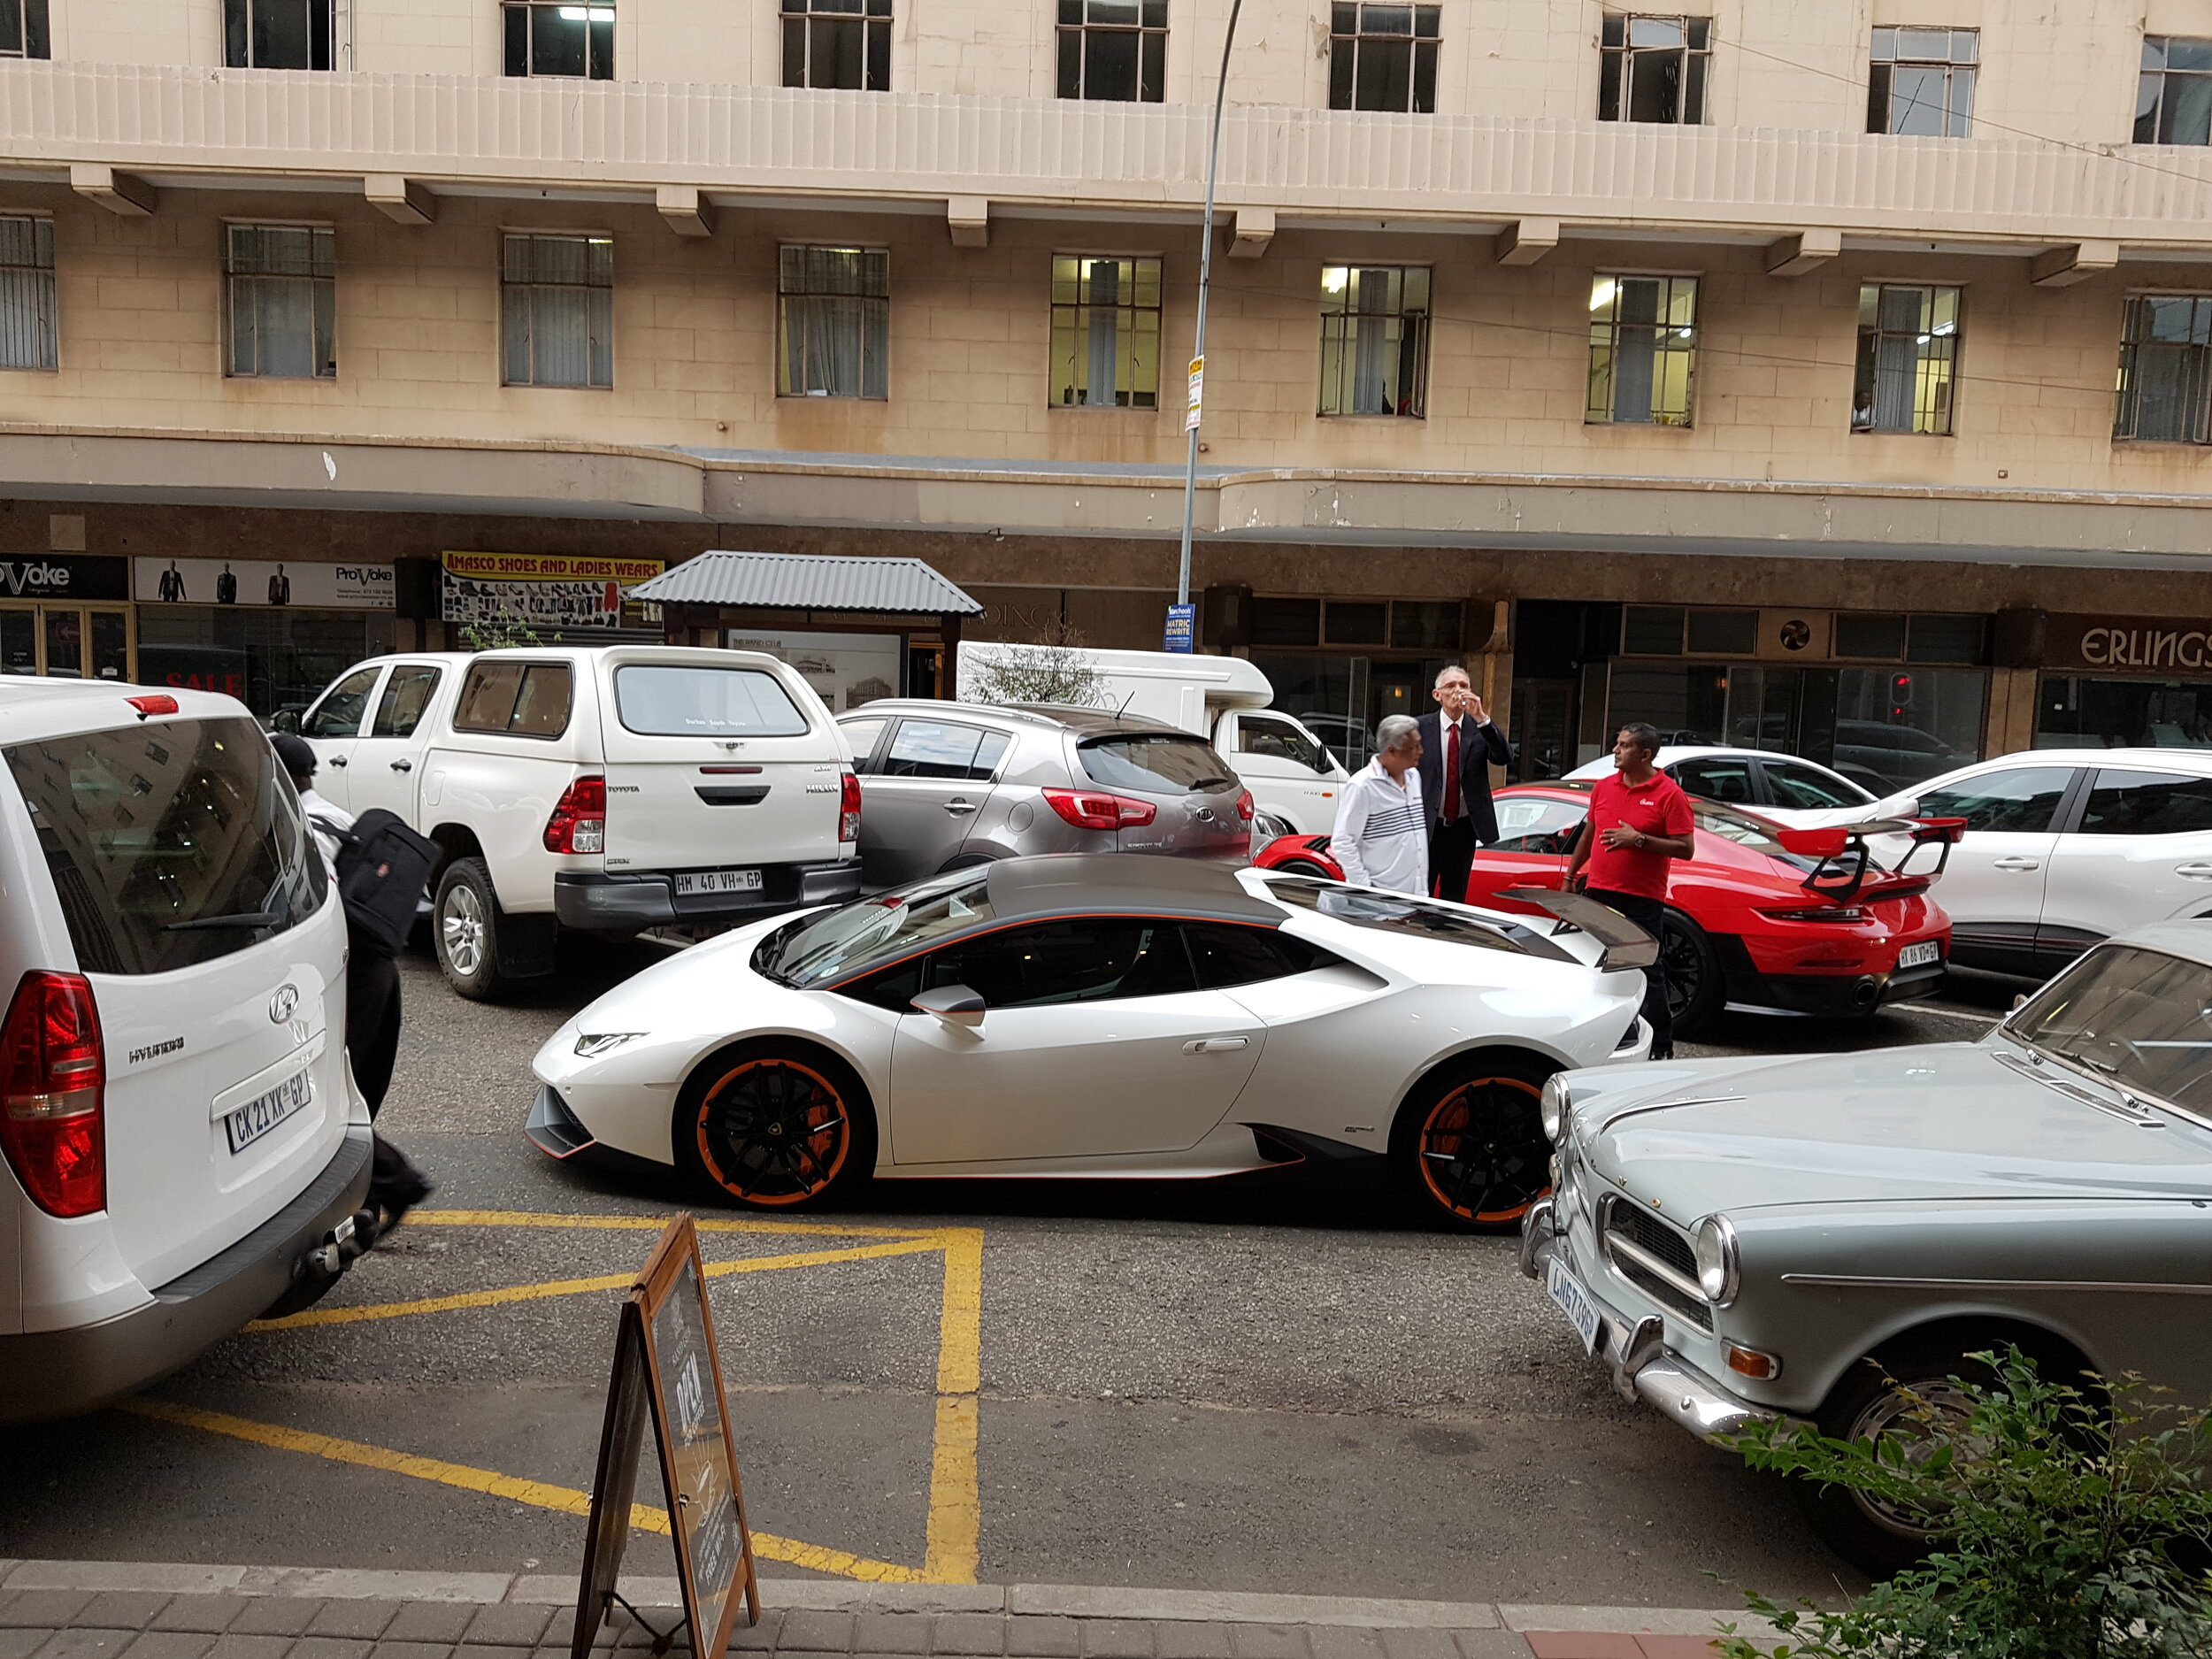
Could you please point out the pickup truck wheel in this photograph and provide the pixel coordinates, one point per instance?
(464, 924)
(775, 1126)
(1468, 1147)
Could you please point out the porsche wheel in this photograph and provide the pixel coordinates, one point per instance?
(1694, 990)
(1303, 867)
(775, 1126)
(1469, 1146)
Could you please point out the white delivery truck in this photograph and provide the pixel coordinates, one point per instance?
(1291, 774)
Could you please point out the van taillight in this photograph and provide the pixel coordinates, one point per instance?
(53, 1076)
(579, 824)
(849, 810)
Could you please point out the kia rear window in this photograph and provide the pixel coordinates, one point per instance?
(1156, 763)
(169, 845)
(665, 700)
(526, 699)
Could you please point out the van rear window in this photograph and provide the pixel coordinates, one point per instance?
(669, 700)
(529, 699)
(169, 845)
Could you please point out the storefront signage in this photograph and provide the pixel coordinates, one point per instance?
(283, 584)
(2128, 644)
(845, 670)
(63, 576)
(542, 590)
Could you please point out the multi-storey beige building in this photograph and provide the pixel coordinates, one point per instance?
(1836, 375)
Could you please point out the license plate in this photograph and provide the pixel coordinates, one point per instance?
(697, 882)
(1921, 954)
(1575, 1302)
(265, 1112)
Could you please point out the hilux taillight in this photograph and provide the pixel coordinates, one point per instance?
(1097, 808)
(849, 809)
(53, 1076)
(579, 824)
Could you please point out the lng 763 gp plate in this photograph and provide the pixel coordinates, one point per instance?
(1575, 1302)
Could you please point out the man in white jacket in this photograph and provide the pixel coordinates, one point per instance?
(1381, 837)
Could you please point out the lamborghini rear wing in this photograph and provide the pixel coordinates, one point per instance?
(1847, 862)
(1626, 945)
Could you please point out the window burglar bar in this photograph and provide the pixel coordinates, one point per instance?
(2166, 369)
(1383, 58)
(284, 302)
(560, 40)
(557, 311)
(276, 33)
(23, 31)
(1114, 50)
(26, 293)
(1106, 333)
(1908, 348)
(1643, 350)
(1653, 69)
(2173, 100)
(844, 45)
(1921, 82)
(834, 324)
(1374, 340)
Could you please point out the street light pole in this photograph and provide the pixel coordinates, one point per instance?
(1205, 275)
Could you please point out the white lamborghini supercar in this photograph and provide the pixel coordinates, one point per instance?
(1104, 1015)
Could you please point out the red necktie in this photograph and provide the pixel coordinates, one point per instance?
(1451, 776)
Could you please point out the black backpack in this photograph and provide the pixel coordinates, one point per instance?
(383, 867)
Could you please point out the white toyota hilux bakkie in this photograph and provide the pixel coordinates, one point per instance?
(182, 1146)
(604, 790)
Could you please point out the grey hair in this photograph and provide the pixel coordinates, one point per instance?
(1451, 668)
(1396, 731)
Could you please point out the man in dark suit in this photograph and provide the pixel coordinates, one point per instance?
(1459, 745)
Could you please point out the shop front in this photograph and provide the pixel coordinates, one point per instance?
(272, 633)
(2115, 681)
(581, 599)
(67, 616)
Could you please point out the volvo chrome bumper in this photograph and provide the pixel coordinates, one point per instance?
(1635, 1350)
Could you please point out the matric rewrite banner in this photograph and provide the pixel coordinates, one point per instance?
(551, 591)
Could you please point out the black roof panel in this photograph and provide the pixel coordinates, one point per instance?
(1138, 884)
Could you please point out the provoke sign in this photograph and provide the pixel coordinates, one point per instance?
(283, 584)
(2142, 644)
(59, 576)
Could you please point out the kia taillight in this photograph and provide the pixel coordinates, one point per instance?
(1244, 806)
(53, 1075)
(579, 824)
(849, 810)
(1097, 809)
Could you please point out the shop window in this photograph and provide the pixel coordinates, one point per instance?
(833, 322)
(1355, 622)
(556, 296)
(1653, 69)
(1105, 332)
(1113, 50)
(23, 30)
(1383, 56)
(1374, 340)
(276, 660)
(2173, 99)
(1874, 634)
(26, 293)
(2128, 802)
(1425, 625)
(2077, 711)
(1724, 633)
(1652, 630)
(1643, 350)
(1947, 639)
(844, 45)
(1921, 82)
(1908, 348)
(276, 33)
(283, 309)
(2166, 369)
(1286, 621)
(575, 41)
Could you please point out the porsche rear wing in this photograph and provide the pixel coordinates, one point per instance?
(1847, 861)
(1626, 945)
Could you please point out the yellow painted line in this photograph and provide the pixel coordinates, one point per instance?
(651, 1223)
(956, 1504)
(538, 1494)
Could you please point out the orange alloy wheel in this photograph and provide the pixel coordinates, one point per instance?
(773, 1132)
(1483, 1152)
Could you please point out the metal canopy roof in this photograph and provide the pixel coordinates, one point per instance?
(801, 581)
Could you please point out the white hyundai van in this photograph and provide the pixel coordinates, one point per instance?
(181, 1146)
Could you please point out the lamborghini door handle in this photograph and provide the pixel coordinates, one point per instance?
(2017, 864)
(1216, 1045)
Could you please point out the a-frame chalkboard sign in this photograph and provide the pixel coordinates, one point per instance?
(666, 1367)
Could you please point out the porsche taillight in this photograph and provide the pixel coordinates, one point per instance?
(53, 1082)
(849, 809)
(579, 824)
(1099, 809)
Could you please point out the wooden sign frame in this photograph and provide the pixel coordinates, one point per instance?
(664, 1355)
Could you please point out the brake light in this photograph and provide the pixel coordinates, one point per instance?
(53, 1078)
(1098, 809)
(1819, 913)
(849, 809)
(159, 703)
(579, 824)
(1244, 806)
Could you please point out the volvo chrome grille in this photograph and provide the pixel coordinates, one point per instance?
(1656, 1259)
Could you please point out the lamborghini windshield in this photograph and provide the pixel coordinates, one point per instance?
(871, 932)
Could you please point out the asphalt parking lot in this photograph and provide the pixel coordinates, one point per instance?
(1259, 1384)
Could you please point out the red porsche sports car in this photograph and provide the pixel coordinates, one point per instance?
(1762, 917)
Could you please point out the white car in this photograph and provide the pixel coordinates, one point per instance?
(182, 1146)
(1783, 787)
(1104, 1015)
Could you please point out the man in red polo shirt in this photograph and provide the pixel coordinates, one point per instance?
(1639, 821)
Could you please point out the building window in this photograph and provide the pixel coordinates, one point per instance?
(1383, 58)
(273, 34)
(284, 302)
(23, 31)
(1643, 350)
(1105, 332)
(1921, 83)
(1374, 340)
(834, 323)
(559, 40)
(26, 293)
(1908, 351)
(1653, 69)
(1114, 50)
(844, 45)
(2173, 100)
(557, 311)
(2166, 369)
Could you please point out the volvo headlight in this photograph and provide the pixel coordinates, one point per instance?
(1719, 1269)
(1554, 1105)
